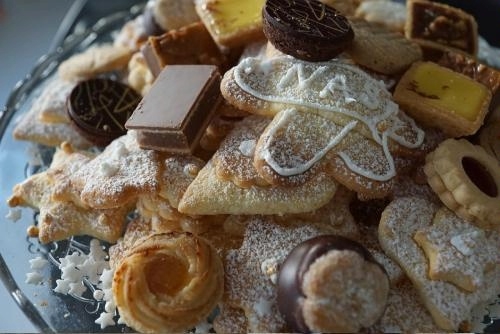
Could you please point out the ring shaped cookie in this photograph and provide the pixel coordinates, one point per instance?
(467, 180)
(167, 283)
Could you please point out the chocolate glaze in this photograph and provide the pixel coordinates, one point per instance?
(100, 107)
(297, 264)
(309, 18)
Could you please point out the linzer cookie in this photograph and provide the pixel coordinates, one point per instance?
(232, 23)
(467, 179)
(177, 109)
(441, 98)
(326, 283)
(306, 29)
(190, 44)
(100, 107)
(438, 27)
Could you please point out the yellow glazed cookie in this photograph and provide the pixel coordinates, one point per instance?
(441, 98)
(467, 180)
(232, 23)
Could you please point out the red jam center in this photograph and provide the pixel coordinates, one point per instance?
(480, 176)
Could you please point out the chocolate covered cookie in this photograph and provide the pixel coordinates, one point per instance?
(306, 29)
(331, 284)
(98, 109)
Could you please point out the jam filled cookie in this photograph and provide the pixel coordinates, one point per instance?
(306, 29)
(467, 179)
(331, 284)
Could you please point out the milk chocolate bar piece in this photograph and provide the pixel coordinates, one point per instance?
(177, 109)
(191, 44)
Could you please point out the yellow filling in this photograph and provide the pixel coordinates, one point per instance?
(166, 275)
(449, 90)
(232, 15)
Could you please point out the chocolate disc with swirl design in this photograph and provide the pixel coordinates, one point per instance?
(306, 29)
(99, 108)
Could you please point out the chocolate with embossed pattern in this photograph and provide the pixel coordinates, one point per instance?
(99, 108)
(306, 29)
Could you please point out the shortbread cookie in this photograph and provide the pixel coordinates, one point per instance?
(29, 127)
(230, 320)
(346, 7)
(489, 138)
(94, 61)
(52, 101)
(132, 34)
(63, 218)
(438, 27)
(381, 49)
(237, 151)
(232, 23)
(458, 252)
(442, 98)
(467, 180)
(331, 284)
(307, 30)
(168, 282)
(117, 176)
(405, 313)
(448, 304)
(391, 14)
(139, 76)
(208, 195)
(217, 131)
(317, 143)
(136, 229)
(265, 246)
(337, 91)
(173, 14)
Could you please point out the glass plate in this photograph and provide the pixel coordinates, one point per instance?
(54, 312)
(49, 311)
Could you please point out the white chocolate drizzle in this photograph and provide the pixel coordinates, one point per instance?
(340, 90)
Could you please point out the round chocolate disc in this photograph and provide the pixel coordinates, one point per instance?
(306, 29)
(100, 107)
(297, 264)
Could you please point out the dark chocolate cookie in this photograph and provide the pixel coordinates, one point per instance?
(306, 29)
(291, 275)
(99, 108)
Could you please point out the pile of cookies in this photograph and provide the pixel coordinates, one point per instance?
(280, 165)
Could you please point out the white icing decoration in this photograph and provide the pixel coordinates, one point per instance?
(298, 169)
(334, 87)
(247, 147)
(464, 243)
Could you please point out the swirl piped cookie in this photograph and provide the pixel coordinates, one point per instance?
(296, 93)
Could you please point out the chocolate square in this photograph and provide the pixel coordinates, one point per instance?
(178, 108)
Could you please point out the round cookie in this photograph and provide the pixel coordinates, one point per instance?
(331, 284)
(467, 180)
(306, 29)
(98, 109)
